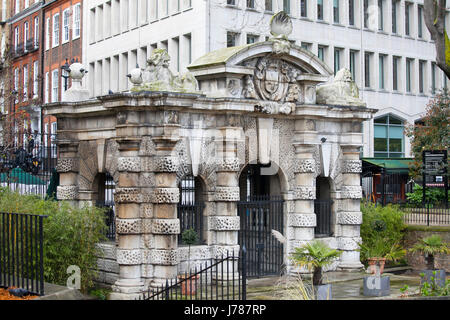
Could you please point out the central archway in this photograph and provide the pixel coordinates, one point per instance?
(260, 210)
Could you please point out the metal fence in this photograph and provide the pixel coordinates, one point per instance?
(222, 279)
(191, 216)
(259, 215)
(29, 166)
(429, 215)
(322, 209)
(22, 251)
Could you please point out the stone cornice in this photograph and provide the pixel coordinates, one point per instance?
(194, 102)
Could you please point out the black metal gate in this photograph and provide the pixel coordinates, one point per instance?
(322, 209)
(258, 216)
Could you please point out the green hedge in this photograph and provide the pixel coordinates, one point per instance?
(385, 223)
(70, 234)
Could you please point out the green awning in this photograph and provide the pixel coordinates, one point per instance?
(391, 164)
(17, 175)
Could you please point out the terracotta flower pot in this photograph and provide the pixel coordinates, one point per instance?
(189, 284)
(376, 261)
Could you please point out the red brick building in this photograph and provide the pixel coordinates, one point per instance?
(44, 35)
(62, 23)
(25, 36)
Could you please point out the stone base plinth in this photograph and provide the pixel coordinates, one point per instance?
(377, 286)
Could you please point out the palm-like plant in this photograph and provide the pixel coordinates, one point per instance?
(430, 246)
(315, 256)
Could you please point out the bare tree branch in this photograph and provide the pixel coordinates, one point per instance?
(434, 16)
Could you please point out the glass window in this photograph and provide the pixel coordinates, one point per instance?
(55, 85)
(353, 64)
(388, 137)
(366, 13)
(419, 21)
(395, 73)
(433, 78)
(421, 74)
(25, 82)
(251, 38)
(380, 15)
(319, 9)
(251, 4)
(25, 35)
(351, 12)
(336, 11)
(36, 32)
(76, 21)
(231, 39)
(367, 69)
(394, 16)
(47, 36)
(303, 8)
(382, 59)
(407, 6)
(287, 6)
(320, 53)
(408, 75)
(268, 5)
(56, 30)
(337, 60)
(66, 15)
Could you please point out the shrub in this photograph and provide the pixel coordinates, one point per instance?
(383, 229)
(70, 234)
(432, 196)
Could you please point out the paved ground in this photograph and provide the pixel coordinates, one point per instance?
(345, 286)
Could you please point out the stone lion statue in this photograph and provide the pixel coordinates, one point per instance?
(342, 91)
(158, 77)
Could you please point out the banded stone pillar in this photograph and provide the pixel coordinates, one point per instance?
(165, 224)
(127, 198)
(68, 168)
(224, 224)
(349, 217)
(302, 220)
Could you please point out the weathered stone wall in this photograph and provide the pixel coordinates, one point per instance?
(417, 260)
(107, 266)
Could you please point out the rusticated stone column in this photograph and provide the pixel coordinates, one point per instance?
(68, 168)
(165, 224)
(225, 223)
(301, 222)
(127, 197)
(349, 217)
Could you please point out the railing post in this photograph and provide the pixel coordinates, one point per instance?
(244, 273)
(41, 258)
(428, 214)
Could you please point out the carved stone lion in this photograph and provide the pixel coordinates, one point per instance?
(342, 91)
(158, 77)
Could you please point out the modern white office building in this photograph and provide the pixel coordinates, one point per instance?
(384, 43)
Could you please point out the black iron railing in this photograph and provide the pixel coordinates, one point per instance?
(429, 214)
(22, 251)
(29, 166)
(259, 215)
(191, 216)
(322, 209)
(222, 279)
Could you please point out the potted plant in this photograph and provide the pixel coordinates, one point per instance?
(430, 247)
(378, 252)
(188, 281)
(315, 256)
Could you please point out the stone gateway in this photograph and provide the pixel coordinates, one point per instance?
(246, 122)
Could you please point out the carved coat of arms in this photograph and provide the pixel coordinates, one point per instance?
(274, 82)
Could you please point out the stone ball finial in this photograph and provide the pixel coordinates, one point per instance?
(135, 76)
(77, 71)
(281, 25)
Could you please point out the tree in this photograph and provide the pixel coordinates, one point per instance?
(434, 16)
(433, 134)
